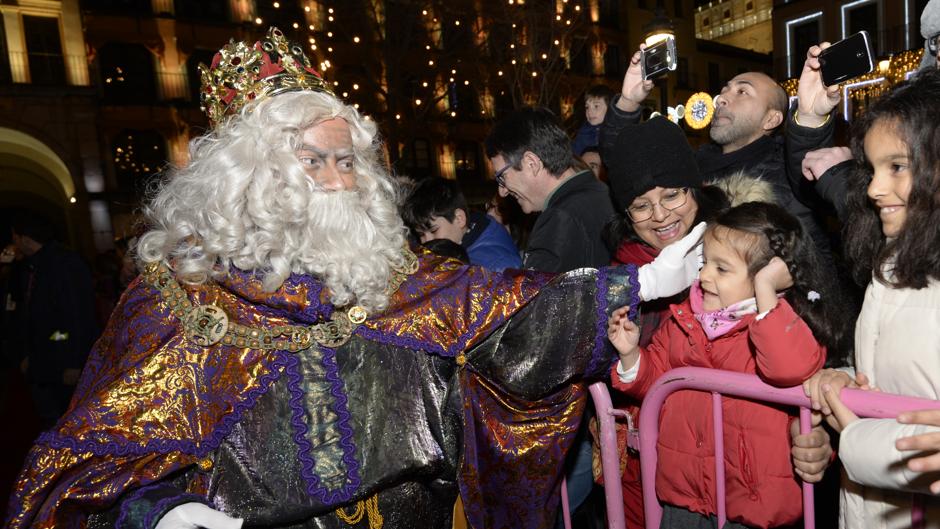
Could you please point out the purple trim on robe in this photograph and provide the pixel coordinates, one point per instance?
(305, 447)
(602, 347)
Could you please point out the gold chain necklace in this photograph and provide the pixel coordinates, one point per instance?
(207, 325)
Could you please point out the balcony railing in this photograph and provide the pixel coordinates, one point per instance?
(48, 69)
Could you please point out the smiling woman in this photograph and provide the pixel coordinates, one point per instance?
(657, 189)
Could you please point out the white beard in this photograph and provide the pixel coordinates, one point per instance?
(347, 248)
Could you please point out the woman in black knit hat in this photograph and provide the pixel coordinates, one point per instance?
(659, 197)
(658, 194)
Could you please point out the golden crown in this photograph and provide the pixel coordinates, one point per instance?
(242, 73)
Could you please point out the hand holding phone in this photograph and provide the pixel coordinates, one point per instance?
(659, 59)
(849, 58)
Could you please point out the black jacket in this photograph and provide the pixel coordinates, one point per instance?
(567, 234)
(831, 185)
(59, 312)
(765, 158)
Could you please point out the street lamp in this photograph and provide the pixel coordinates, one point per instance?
(658, 29)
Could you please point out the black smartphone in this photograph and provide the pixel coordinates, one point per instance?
(659, 59)
(847, 59)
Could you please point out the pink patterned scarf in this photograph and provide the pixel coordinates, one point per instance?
(718, 322)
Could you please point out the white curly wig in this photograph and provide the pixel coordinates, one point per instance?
(244, 200)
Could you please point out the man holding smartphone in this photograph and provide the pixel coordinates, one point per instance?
(748, 113)
(810, 126)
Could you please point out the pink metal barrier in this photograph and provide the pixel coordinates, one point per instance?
(863, 403)
(610, 459)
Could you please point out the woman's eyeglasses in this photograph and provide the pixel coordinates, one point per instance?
(671, 199)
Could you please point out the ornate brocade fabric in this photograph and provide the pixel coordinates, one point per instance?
(151, 404)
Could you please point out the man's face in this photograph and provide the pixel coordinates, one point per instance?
(595, 108)
(593, 160)
(327, 155)
(441, 228)
(740, 110)
(519, 184)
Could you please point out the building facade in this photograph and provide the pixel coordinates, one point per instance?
(101, 95)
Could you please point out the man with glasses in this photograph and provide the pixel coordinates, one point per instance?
(533, 163)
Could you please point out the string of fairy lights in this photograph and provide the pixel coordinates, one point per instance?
(528, 53)
(859, 92)
(441, 72)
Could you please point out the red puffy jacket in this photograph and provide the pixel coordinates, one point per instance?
(760, 486)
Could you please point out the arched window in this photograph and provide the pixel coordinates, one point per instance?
(127, 74)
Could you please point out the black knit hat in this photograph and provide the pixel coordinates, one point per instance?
(647, 155)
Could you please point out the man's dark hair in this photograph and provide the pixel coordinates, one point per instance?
(34, 226)
(593, 148)
(432, 197)
(600, 91)
(531, 129)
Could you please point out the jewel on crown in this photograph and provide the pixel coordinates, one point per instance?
(242, 73)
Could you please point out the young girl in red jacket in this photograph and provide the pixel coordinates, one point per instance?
(761, 305)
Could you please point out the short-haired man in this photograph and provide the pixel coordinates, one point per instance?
(436, 209)
(533, 163)
(749, 112)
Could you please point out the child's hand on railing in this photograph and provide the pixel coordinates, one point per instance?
(811, 453)
(841, 416)
(926, 442)
(812, 388)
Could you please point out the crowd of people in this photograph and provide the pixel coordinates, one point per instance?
(310, 343)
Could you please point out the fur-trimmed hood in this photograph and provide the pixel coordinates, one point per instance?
(741, 187)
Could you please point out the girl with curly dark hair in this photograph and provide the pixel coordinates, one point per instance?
(762, 305)
(892, 238)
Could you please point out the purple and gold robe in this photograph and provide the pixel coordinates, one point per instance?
(471, 382)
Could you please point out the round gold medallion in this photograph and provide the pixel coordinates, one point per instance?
(205, 325)
(699, 110)
(357, 314)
